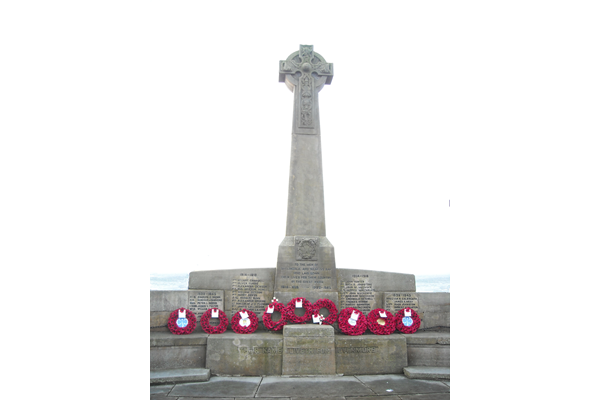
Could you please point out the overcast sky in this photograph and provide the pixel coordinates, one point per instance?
(219, 151)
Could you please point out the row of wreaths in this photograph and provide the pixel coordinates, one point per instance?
(351, 321)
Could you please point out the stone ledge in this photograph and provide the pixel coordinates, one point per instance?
(179, 376)
(165, 339)
(427, 338)
(307, 331)
(427, 372)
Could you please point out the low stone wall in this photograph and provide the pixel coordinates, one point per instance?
(433, 308)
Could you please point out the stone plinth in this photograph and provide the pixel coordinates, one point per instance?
(168, 351)
(308, 350)
(248, 355)
(370, 354)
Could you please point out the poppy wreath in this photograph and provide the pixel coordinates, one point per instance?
(207, 327)
(374, 319)
(289, 311)
(416, 321)
(330, 306)
(188, 328)
(275, 325)
(235, 322)
(345, 327)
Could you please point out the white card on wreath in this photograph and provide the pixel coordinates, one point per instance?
(214, 313)
(181, 314)
(316, 319)
(270, 309)
(382, 314)
(299, 303)
(353, 318)
(407, 313)
(243, 314)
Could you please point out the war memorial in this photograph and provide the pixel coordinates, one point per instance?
(305, 316)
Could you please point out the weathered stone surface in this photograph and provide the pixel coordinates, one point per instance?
(428, 337)
(316, 387)
(308, 350)
(201, 300)
(179, 376)
(315, 273)
(434, 309)
(307, 331)
(168, 300)
(364, 289)
(401, 385)
(173, 357)
(243, 288)
(380, 281)
(427, 372)
(250, 355)
(370, 354)
(222, 279)
(169, 351)
(162, 339)
(218, 387)
(429, 356)
(396, 301)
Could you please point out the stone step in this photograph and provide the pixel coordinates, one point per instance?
(427, 372)
(179, 376)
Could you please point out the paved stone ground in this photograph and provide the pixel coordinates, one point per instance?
(359, 387)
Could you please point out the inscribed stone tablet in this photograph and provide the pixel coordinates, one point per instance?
(201, 300)
(396, 301)
(357, 293)
(250, 292)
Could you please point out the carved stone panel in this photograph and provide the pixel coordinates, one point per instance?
(201, 300)
(396, 301)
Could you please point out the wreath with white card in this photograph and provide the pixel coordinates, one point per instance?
(298, 302)
(352, 321)
(381, 322)
(330, 306)
(214, 313)
(407, 320)
(268, 314)
(182, 321)
(244, 321)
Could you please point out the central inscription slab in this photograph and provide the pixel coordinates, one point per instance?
(250, 292)
(358, 293)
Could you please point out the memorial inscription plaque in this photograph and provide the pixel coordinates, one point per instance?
(201, 300)
(249, 292)
(396, 301)
(358, 293)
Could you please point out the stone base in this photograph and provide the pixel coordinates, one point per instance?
(169, 351)
(308, 350)
(249, 355)
(370, 354)
(429, 348)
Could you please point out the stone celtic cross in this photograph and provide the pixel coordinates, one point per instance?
(305, 73)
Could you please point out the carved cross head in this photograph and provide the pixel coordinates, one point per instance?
(305, 73)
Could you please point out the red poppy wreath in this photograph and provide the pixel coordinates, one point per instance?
(298, 302)
(352, 322)
(268, 314)
(205, 321)
(182, 321)
(244, 321)
(407, 323)
(381, 322)
(330, 306)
